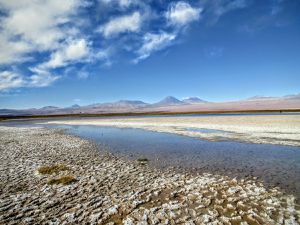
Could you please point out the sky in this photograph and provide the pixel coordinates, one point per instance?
(61, 53)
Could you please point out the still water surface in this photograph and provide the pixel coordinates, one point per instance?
(276, 165)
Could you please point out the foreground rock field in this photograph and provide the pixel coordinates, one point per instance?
(84, 185)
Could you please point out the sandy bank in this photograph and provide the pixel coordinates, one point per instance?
(108, 190)
(277, 129)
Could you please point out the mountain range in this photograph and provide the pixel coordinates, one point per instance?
(168, 104)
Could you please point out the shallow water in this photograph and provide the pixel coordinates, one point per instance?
(275, 164)
(202, 130)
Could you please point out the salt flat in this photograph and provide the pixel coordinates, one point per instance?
(108, 190)
(264, 129)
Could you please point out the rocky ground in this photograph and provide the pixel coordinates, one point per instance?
(84, 185)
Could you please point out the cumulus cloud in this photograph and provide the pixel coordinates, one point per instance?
(71, 52)
(13, 51)
(125, 3)
(182, 13)
(38, 26)
(154, 42)
(127, 23)
(43, 39)
(41, 78)
(9, 80)
(39, 23)
(121, 3)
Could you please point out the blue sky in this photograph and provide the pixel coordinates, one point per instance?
(55, 52)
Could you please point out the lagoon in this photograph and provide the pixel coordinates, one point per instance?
(275, 164)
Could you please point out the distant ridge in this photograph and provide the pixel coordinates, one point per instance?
(296, 96)
(259, 97)
(193, 100)
(169, 100)
(49, 108)
(75, 106)
(131, 102)
(168, 104)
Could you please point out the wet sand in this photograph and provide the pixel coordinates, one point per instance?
(267, 129)
(109, 190)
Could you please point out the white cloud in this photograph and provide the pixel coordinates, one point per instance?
(128, 23)
(121, 3)
(154, 42)
(63, 33)
(125, 3)
(13, 51)
(182, 13)
(29, 26)
(71, 52)
(221, 7)
(37, 22)
(9, 80)
(41, 78)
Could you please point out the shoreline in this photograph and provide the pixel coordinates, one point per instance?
(155, 113)
(108, 190)
(269, 172)
(281, 130)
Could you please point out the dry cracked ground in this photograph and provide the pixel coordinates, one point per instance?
(49, 177)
